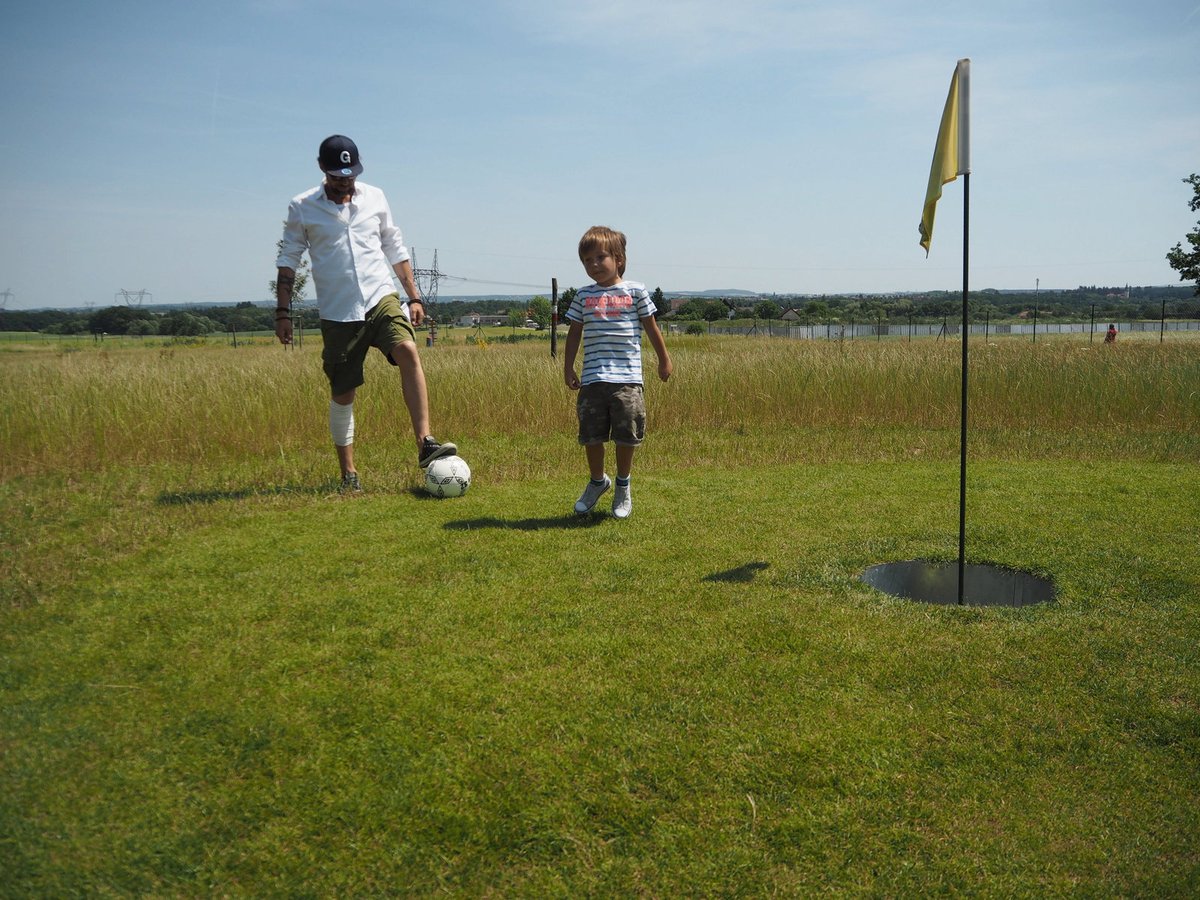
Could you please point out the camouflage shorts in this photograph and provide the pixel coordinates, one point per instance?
(615, 412)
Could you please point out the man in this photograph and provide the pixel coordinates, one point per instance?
(354, 248)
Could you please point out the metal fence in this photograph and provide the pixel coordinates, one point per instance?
(835, 331)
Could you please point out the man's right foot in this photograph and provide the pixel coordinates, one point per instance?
(350, 484)
(591, 494)
(431, 450)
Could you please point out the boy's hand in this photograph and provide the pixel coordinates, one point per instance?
(665, 368)
(571, 379)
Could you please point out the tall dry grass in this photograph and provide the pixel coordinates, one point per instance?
(98, 408)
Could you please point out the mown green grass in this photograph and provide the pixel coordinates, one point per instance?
(218, 678)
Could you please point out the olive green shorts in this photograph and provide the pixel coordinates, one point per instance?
(347, 343)
(615, 412)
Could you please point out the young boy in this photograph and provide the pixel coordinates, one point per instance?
(608, 316)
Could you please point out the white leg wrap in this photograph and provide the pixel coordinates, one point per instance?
(341, 423)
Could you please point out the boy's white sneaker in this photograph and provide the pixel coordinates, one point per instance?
(622, 502)
(591, 494)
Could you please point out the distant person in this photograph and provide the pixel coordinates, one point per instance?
(355, 248)
(608, 317)
(1111, 336)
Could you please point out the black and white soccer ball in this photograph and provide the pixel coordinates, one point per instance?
(449, 476)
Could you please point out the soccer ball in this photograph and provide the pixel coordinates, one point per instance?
(449, 476)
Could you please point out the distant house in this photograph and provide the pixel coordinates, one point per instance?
(791, 315)
(473, 319)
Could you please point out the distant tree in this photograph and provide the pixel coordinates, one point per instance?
(767, 309)
(816, 311)
(186, 324)
(75, 325)
(516, 317)
(661, 306)
(693, 309)
(714, 311)
(142, 327)
(241, 323)
(1187, 264)
(539, 310)
(115, 319)
(564, 302)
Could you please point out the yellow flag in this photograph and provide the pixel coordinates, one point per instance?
(952, 153)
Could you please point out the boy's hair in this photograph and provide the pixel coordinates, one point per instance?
(606, 239)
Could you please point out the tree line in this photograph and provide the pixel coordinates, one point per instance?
(1124, 304)
(1120, 304)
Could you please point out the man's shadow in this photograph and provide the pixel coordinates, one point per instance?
(186, 498)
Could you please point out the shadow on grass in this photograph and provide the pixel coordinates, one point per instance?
(563, 522)
(186, 498)
(741, 575)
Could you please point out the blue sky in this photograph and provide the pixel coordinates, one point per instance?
(761, 145)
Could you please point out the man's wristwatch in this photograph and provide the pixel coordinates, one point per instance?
(412, 300)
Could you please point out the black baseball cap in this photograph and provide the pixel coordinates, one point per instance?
(339, 156)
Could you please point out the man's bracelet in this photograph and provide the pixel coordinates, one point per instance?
(412, 300)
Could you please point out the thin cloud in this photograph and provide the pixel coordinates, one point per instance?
(712, 28)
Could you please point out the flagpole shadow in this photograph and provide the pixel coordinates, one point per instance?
(743, 574)
(564, 523)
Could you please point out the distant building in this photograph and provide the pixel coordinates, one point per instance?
(473, 319)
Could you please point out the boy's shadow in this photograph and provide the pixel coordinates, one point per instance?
(562, 522)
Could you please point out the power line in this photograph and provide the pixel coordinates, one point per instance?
(427, 279)
(499, 283)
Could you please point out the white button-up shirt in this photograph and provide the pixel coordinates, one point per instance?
(352, 249)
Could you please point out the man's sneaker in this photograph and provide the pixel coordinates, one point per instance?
(431, 450)
(350, 484)
(591, 493)
(622, 502)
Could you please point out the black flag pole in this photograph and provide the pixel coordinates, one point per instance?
(962, 460)
(952, 158)
(554, 318)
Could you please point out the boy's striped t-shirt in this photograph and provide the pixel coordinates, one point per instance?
(612, 331)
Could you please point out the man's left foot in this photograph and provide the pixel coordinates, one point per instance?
(431, 450)
(350, 484)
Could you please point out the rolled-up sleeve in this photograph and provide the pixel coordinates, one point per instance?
(390, 237)
(294, 243)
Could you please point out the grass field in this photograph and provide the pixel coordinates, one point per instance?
(219, 677)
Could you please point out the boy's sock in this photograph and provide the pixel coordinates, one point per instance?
(622, 482)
